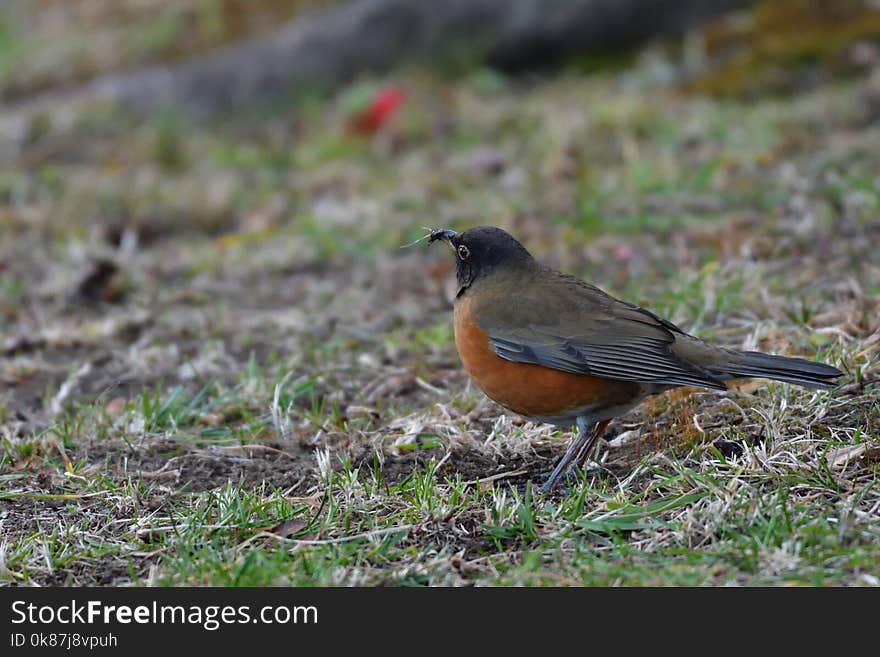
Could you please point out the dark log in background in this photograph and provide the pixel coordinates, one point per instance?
(327, 48)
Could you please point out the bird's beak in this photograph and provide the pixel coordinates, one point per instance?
(443, 234)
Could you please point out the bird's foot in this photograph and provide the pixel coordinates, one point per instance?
(572, 475)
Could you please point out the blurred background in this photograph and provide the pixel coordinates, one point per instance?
(206, 310)
(191, 190)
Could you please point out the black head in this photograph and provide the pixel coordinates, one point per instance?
(482, 251)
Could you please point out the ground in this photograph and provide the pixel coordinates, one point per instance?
(221, 367)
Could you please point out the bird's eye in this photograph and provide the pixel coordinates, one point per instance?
(463, 252)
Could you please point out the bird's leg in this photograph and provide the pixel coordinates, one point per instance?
(584, 453)
(579, 445)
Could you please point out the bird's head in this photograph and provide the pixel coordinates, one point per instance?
(482, 252)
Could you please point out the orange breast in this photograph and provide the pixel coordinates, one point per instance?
(527, 389)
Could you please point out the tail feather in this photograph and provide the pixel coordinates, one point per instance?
(781, 368)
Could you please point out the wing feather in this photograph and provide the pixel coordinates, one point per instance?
(590, 332)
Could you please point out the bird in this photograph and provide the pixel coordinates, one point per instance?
(553, 348)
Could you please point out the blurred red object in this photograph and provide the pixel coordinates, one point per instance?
(623, 252)
(381, 107)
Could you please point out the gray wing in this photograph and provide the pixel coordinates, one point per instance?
(593, 333)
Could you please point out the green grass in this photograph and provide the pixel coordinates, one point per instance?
(694, 522)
